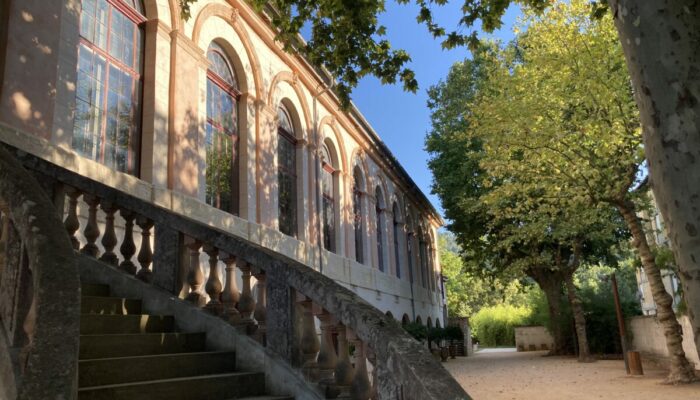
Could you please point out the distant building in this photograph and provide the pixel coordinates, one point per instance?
(656, 235)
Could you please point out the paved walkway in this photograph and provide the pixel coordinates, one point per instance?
(508, 375)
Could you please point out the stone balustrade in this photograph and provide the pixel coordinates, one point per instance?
(39, 291)
(340, 342)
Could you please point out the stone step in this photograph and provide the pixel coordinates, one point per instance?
(109, 305)
(104, 323)
(140, 344)
(110, 371)
(94, 289)
(207, 387)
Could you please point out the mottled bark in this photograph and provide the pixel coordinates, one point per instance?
(681, 371)
(584, 352)
(550, 283)
(661, 41)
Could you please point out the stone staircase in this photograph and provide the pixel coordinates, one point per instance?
(127, 354)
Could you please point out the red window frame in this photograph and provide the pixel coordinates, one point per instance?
(139, 20)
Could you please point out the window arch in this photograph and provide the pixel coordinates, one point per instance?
(221, 140)
(397, 230)
(328, 194)
(422, 259)
(109, 83)
(380, 227)
(286, 173)
(409, 247)
(358, 213)
(405, 320)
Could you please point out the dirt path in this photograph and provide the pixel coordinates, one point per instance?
(508, 375)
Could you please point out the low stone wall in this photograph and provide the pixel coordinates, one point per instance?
(532, 338)
(647, 337)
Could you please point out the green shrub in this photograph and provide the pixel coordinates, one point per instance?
(494, 326)
(418, 331)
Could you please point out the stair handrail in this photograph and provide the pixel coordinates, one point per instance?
(48, 361)
(406, 370)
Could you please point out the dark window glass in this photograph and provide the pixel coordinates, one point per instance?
(397, 253)
(328, 201)
(108, 90)
(357, 218)
(380, 231)
(286, 173)
(221, 140)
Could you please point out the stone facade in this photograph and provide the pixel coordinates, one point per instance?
(396, 226)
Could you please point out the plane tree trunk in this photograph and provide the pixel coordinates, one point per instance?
(661, 42)
(550, 282)
(681, 371)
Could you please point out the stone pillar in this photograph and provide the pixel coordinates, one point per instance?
(185, 162)
(310, 345)
(267, 167)
(156, 103)
(195, 277)
(167, 258)
(281, 333)
(213, 286)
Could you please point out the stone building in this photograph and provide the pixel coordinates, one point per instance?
(211, 118)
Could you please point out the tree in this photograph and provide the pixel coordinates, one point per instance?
(661, 45)
(467, 292)
(560, 116)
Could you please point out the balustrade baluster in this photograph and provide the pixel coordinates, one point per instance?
(145, 256)
(360, 388)
(128, 248)
(109, 239)
(327, 359)
(310, 345)
(195, 276)
(230, 296)
(92, 230)
(71, 223)
(246, 303)
(344, 370)
(261, 305)
(372, 358)
(213, 286)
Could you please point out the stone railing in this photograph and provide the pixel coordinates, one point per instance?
(289, 301)
(39, 292)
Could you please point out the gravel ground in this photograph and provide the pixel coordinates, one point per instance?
(508, 375)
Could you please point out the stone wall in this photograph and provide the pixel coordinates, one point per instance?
(647, 337)
(531, 338)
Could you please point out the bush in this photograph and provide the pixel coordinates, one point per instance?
(418, 331)
(494, 326)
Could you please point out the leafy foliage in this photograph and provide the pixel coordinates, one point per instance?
(418, 331)
(348, 41)
(494, 326)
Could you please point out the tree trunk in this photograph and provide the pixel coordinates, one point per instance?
(584, 352)
(550, 283)
(661, 41)
(681, 370)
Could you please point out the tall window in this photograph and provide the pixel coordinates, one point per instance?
(379, 214)
(357, 214)
(286, 174)
(327, 187)
(422, 262)
(108, 93)
(221, 134)
(409, 248)
(397, 227)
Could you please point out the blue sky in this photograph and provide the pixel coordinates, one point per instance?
(400, 118)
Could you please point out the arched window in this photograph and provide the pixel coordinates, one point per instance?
(221, 132)
(379, 215)
(397, 229)
(109, 83)
(286, 173)
(422, 260)
(328, 188)
(409, 247)
(405, 320)
(357, 220)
